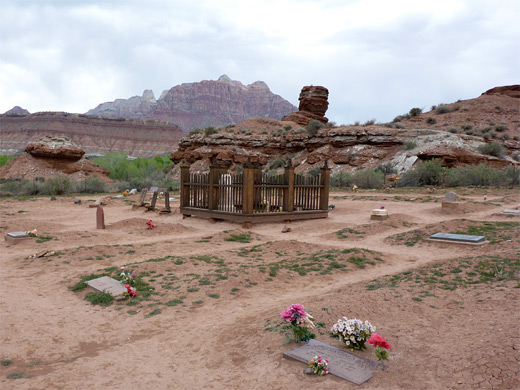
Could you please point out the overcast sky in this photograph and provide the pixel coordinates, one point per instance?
(378, 58)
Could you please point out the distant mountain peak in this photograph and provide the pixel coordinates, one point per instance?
(17, 110)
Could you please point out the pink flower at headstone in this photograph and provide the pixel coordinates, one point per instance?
(378, 341)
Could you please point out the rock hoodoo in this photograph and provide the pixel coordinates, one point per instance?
(313, 106)
(50, 156)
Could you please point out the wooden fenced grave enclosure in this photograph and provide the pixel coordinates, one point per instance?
(254, 196)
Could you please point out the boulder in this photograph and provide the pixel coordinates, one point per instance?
(313, 106)
(60, 147)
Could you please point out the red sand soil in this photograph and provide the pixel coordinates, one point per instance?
(204, 328)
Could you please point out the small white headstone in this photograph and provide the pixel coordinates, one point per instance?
(380, 212)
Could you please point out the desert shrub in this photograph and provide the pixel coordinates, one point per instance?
(5, 159)
(341, 180)
(425, 173)
(314, 171)
(516, 156)
(492, 149)
(57, 185)
(415, 111)
(195, 131)
(467, 127)
(409, 145)
(276, 163)
(369, 122)
(442, 109)
(14, 187)
(399, 118)
(505, 137)
(431, 120)
(516, 138)
(91, 185)
(368, 179)
(454, 130)
(492, 134)
(313, 127)
(287, 127)
(387, 168)
(476, 175)
(487, 129)
(210, 130)
(501, 127)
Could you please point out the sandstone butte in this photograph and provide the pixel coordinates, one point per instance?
(50, 156)
(401, 143)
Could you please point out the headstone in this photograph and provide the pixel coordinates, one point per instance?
(141, 198)
(14, 238)
(77, 201)
(154, 200)
(462, 238)
(379, 214)
(107, 284)
(286, 229)
(154, 189)
(341, 363)
(100, 218)
(514, 212)
(53, 198)
(450, 197)
(133, 191)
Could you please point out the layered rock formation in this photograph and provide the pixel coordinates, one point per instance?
(50, 156)
(139, 138)
(199, 105)
(346, 147)
(313, 106)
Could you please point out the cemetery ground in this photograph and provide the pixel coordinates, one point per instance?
(207, 313)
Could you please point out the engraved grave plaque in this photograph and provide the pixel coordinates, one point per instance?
(458, 237)
(18, 235)
(107, 284)
(450, 197)
(341, 363)
(517, 212)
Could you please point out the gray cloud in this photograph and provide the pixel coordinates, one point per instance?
(377, 58)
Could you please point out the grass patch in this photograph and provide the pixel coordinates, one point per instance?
(16, 375)
(99, 298)
(174, 302)
(6, 362)
(153, 313)
(243, 238)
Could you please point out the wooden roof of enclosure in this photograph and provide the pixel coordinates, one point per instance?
(254, 196)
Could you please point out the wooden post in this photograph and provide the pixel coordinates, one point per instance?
(324, 189)
(185, 187)
(141, 199)
(167, 207)
(288, 193)
(248, 189)
(212, 193)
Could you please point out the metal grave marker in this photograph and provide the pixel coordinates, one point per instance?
(107, 284)
(341, 363)
(517, 212)
(458, 238)
(14, 238)
(18, 235)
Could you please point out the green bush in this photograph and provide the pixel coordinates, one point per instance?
(442, 109)
(5, 159)
(57, 185)
(210, 130)
(476, 175)
(501, 127)
(341, 180)
(425, 173)
(102, 298)
(369, 179)
(313, 127)
(431, 120)
(91, 185)
(415, 111)
(409, 145)
(195, 131)
(492, 149)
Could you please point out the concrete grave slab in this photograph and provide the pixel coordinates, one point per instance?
(341, 363)
(379, 214)
(14, 238)
(107, 284)
(513, 212)
(458, 238)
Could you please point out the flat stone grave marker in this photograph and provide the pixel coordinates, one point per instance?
(517, 212)
(450, 197)
(465, 238)
(341, 363)
(107, 284)
(153, 189)
(14, 238)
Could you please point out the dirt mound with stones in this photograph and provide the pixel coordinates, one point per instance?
(51, 156)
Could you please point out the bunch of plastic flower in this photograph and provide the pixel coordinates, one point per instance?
(32, 233)
(127, 277)
(131, 291)
(300, 321)
(150, 224)
(382, 347)
(353, 332)
(319, 365)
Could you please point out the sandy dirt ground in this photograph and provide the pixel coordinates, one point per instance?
(450, 311)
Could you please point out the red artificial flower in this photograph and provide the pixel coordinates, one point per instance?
(378, 341)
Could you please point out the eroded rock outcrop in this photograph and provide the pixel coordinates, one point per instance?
(313, 106)
(51, 156)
